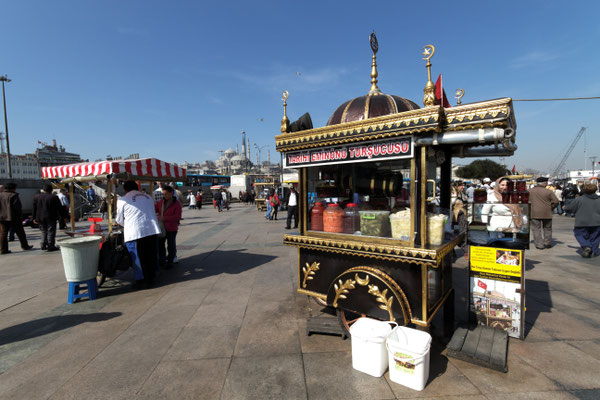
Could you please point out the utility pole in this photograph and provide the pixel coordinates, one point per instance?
(4, 78)
(593, 160)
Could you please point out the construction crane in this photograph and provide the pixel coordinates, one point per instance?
(562, 162)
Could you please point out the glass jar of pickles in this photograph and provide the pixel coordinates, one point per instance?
(316, 217)
(333, 219)
(351, 218)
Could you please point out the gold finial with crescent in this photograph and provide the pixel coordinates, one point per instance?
(429, 97)
(459, 95)
(285, 122)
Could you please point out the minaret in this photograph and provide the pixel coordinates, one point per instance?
(244, 144)
(248, 147)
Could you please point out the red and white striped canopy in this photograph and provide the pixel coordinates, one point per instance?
(150, 167)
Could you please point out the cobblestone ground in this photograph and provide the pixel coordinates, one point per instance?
(227, 323)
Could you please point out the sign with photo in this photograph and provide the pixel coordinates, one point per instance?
(359, 152)
(497, 288)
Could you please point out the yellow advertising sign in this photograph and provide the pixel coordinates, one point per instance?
(495, 261)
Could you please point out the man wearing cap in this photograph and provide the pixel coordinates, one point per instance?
(543, 201)
(486, 183)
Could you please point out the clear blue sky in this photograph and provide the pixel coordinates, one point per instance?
(180, 80)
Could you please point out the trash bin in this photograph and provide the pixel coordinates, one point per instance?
(80, 257)
(408, 352)
(368, 346)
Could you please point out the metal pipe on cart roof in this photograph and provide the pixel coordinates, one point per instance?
(499, 150)
(481, 136)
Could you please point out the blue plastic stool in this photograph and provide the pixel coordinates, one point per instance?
(75, 287)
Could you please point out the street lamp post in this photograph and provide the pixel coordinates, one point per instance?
(4, 78)
(259, 149)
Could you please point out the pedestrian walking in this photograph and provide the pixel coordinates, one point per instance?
(46, 212)
(587, 220)
(168, 211)
(64, 212)
(225, 199)
(292, 211)
(192, 199)
(137, 216)
(90, 194)
(543, 201)
(199, 199)
(11, 216)
(558, 193)
(570, 193)
(217, 199)
(274, 200)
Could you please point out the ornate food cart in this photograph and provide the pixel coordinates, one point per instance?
(395, 262)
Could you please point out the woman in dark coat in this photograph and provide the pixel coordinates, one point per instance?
(587, 220)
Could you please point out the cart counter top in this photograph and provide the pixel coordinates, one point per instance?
(353, 245)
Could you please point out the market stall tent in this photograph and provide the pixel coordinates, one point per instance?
(144, 169)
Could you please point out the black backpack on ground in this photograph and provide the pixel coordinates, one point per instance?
(114, 256)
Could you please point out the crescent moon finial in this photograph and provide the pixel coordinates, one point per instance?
(428, 52)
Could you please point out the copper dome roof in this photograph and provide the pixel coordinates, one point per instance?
(370, 106)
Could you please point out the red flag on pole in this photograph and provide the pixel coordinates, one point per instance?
(481, 285)
(440, 93)
(514, 170)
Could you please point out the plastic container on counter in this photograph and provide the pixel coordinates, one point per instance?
(351, 218)
(375, 223)
(333, 219)
(435, 228)
(400, 223)
(316, 217)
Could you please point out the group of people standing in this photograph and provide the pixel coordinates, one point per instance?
(48, 210)
(149, 224)
(584, 205)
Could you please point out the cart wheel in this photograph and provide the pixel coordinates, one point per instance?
(100, 278)
(347, 318)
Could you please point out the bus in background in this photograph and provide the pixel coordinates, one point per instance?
(206, 181)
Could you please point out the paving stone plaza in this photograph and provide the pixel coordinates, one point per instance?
(227, 323)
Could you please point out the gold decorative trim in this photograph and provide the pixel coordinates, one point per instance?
(400, 124)
(309, 272)
(386, 302)
(342, 290)
(374, 290)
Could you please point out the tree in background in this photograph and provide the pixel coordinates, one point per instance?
(480, 169)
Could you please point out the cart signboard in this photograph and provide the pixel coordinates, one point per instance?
(497, 288)
(375, 151)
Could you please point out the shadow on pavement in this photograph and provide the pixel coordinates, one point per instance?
(537, 300)
(44, 326)
(213, 263)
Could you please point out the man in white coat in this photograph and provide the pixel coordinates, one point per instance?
(135, 213)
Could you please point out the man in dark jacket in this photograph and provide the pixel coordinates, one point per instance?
(46, 212)
(543, 201)
(587, 220)
(11, 216)
(570, 193)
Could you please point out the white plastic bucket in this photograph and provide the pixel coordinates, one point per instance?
(368, 346)
(408, 353)
(80, 257)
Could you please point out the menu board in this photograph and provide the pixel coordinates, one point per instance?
(497, 288)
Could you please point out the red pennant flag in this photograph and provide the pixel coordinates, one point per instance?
(440, 93)
(482, 285)
(514, 170)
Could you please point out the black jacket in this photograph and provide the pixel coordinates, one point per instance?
(570, 192)
(46, 208)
